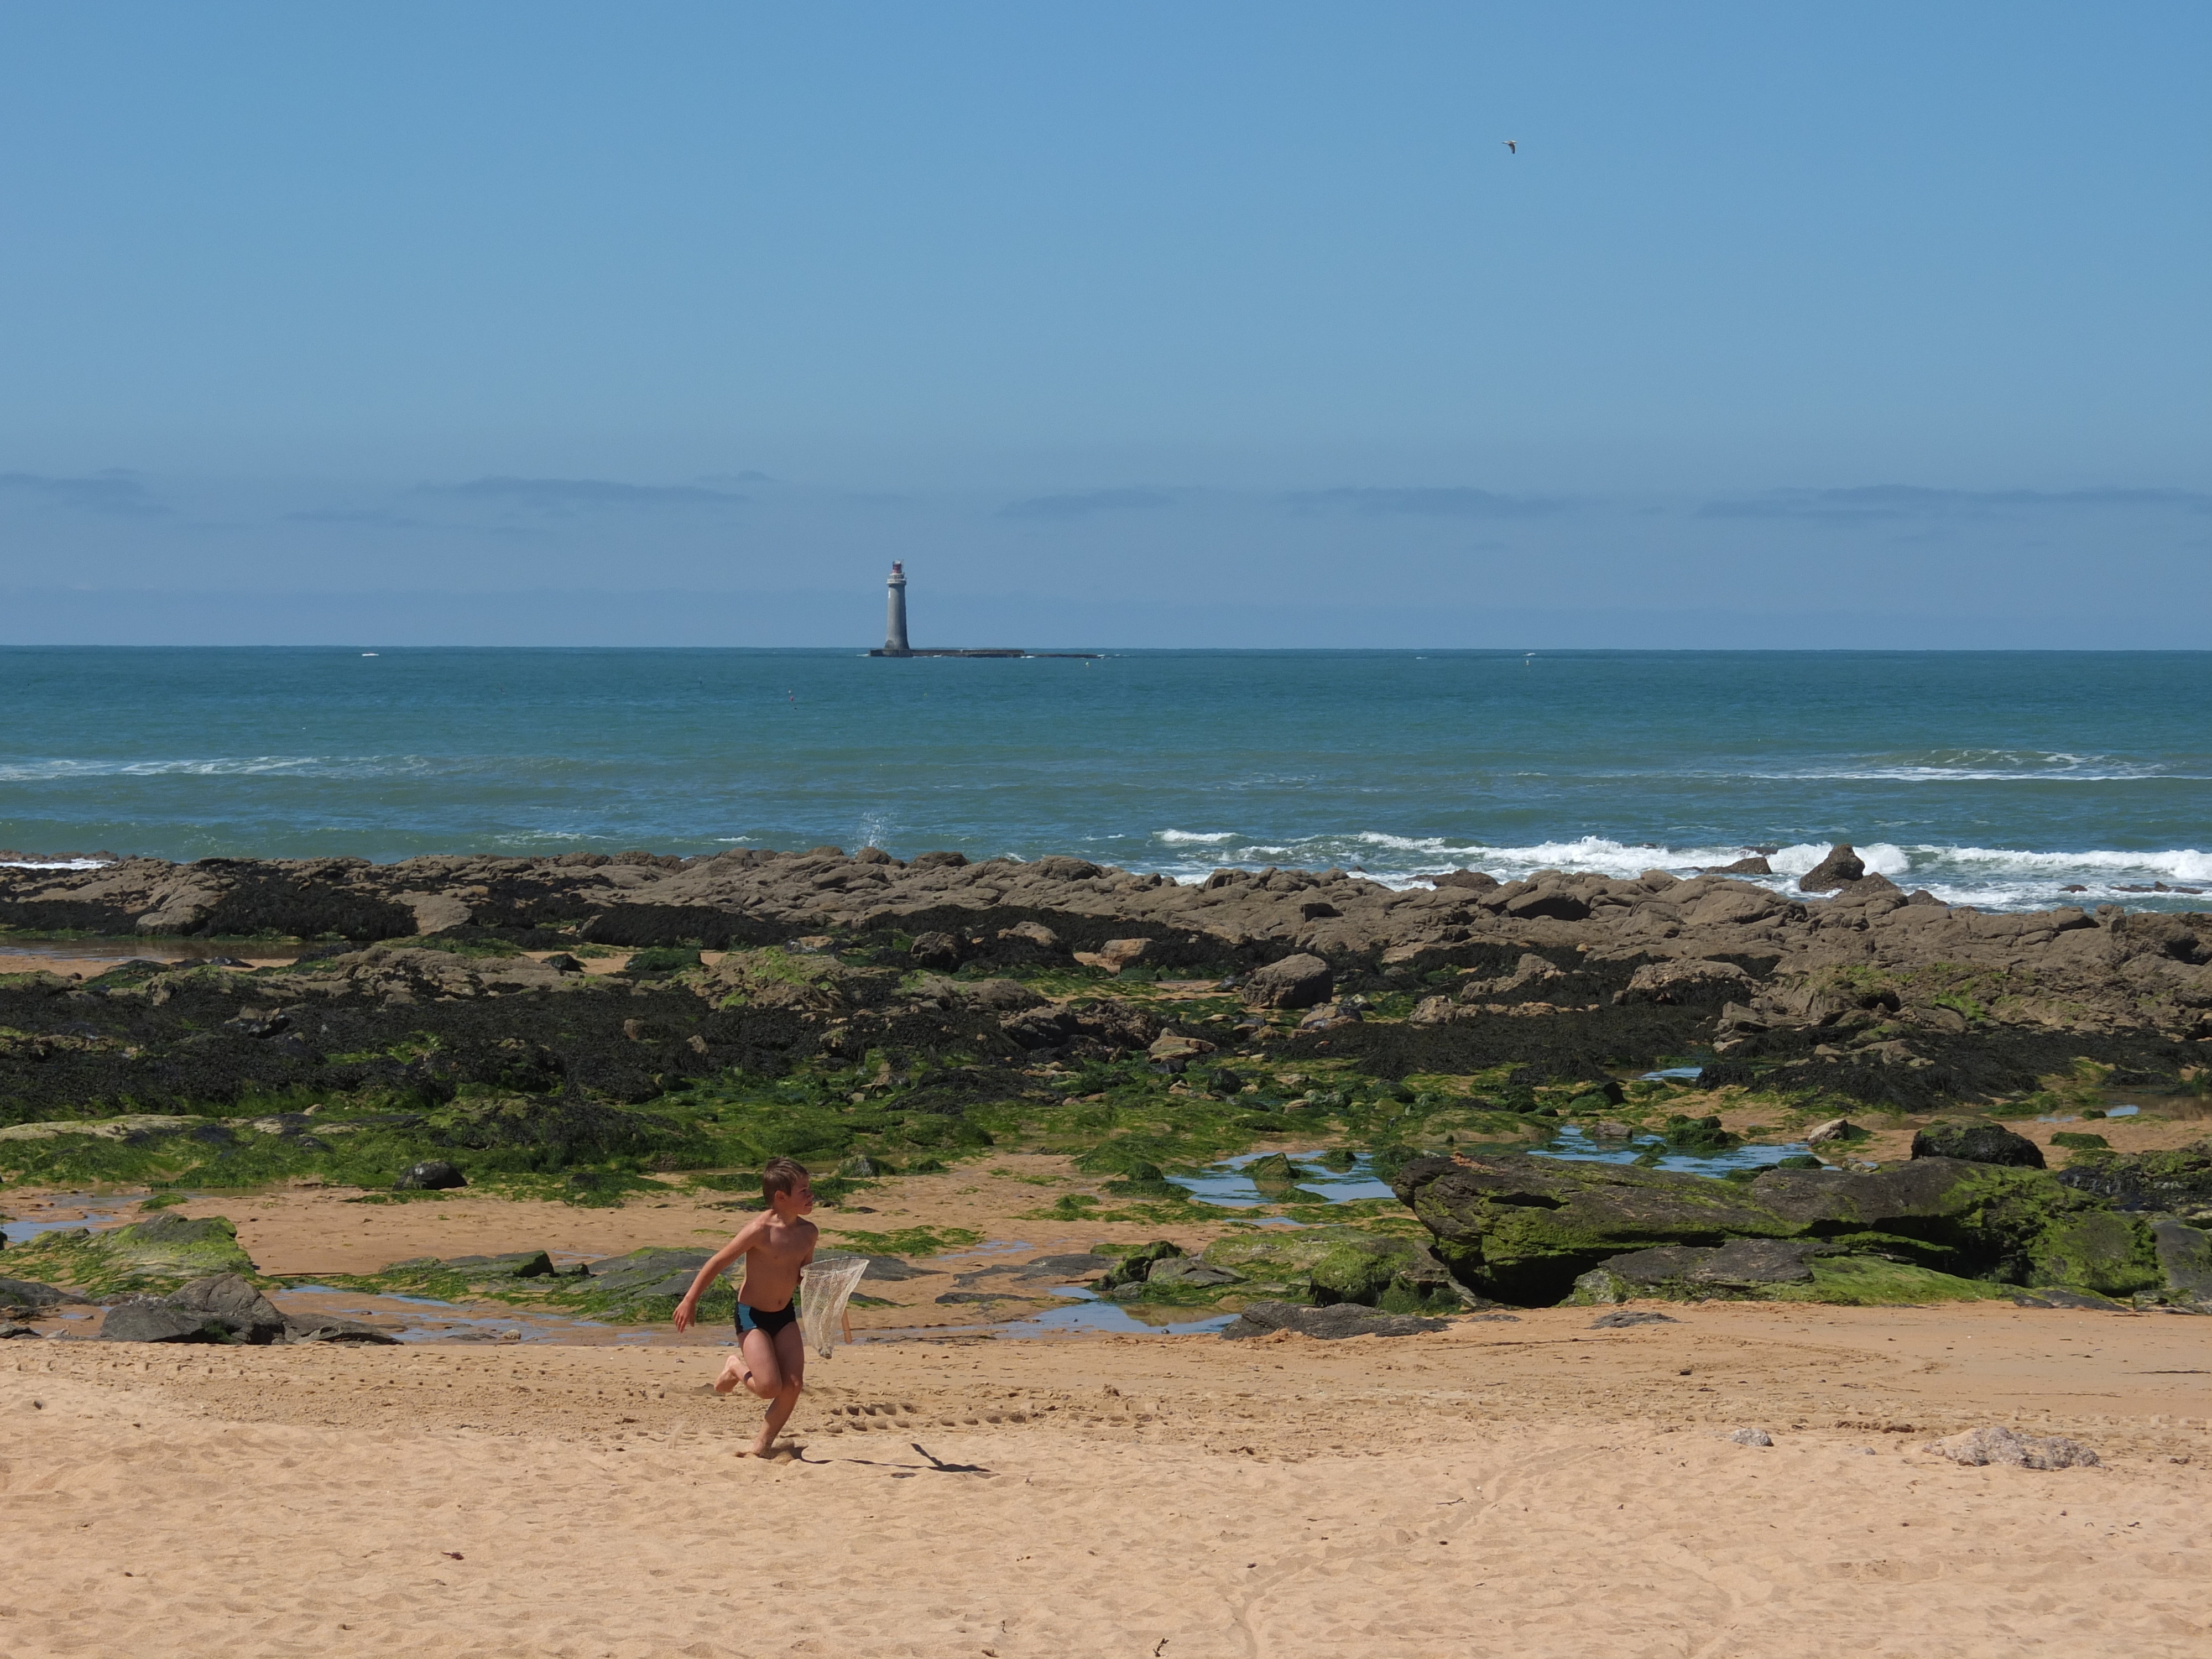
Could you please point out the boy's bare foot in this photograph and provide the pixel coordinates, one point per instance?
(734, 1375)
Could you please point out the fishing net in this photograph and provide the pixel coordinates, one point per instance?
(824, 1286)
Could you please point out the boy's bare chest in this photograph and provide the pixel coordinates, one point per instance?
(785, 1246)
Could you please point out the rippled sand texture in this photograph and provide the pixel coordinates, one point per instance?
(1529, 1488)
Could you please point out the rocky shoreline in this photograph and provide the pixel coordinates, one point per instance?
(586, 1027)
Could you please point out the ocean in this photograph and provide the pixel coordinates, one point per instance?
(1997, 779)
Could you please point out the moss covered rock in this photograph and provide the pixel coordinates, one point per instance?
(2178, 1180)
(2098, 1250)
(1767, 1270)
(1525, 1228)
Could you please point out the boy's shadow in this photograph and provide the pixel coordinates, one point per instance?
(901, 1472)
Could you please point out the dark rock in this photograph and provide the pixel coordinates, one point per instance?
(647, 1272)
(1136, 1267)
(1614, 1321)
(2184, 1256)
(1754, 866)
(2179, 1179)
(1330, 1324)
(1299, 981)
(27, 1294)
(1474, 880)
(148, 1320)
(562, 962)
(434, 1174)
(1072, 1265)
(1523, 1229)
(1839, 869)
(330, 1328)
(2051, 1295)
(1547, 904)
(891, 1269)
(938, 862)
(1685, 980)
(1977, 1143)
(938, 951)
(1740, 1262)
(1190, 1270)
(518, 1264)
(9, 1330)
(248, 1315)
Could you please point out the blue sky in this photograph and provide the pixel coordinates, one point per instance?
(1126, 325)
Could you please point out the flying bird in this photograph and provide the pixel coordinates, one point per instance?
(1513, 144)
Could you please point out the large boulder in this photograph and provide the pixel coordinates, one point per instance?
(1525, 1228)
(1302, 981)
(175, 1247)
(1772, 1270)
(1684, 980)
(1839, 869)
(2098, 1250)
(221, 1308)
(2179, 1180)
(1522, 1229)
(2184, 1257)
(1977, 1143)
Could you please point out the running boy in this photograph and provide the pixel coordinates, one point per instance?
(776, 1244)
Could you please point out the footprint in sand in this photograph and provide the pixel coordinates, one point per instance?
(858, 1418)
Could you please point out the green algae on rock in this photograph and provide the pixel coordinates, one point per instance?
(162, 1254)
(1527, 1230)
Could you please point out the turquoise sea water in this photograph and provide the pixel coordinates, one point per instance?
(1997, 779)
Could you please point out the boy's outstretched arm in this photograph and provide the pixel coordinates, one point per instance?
(716, 1265)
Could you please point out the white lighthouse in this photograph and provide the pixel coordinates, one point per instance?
(895, 643)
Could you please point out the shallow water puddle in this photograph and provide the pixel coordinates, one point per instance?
(66, 1210)
(1575, 1146)
(1226, 1184)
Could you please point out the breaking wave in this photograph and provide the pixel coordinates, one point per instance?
(1986, 876)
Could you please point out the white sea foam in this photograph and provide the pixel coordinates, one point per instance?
(338, 766)
(53, 864)
(1210, 838)
(1992, 878)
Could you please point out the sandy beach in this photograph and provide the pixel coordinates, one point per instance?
(1530, 1487)
(1524, 1484)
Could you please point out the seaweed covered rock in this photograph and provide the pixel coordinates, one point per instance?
(1772, 1270)
(432, 1175)
(1977, 1143)
(175, 1247)
(1522, 1229)
(2184, 1260)
(1329, 1265)
(1136, 1267)
(2179, 1180)
(1525, 1228)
